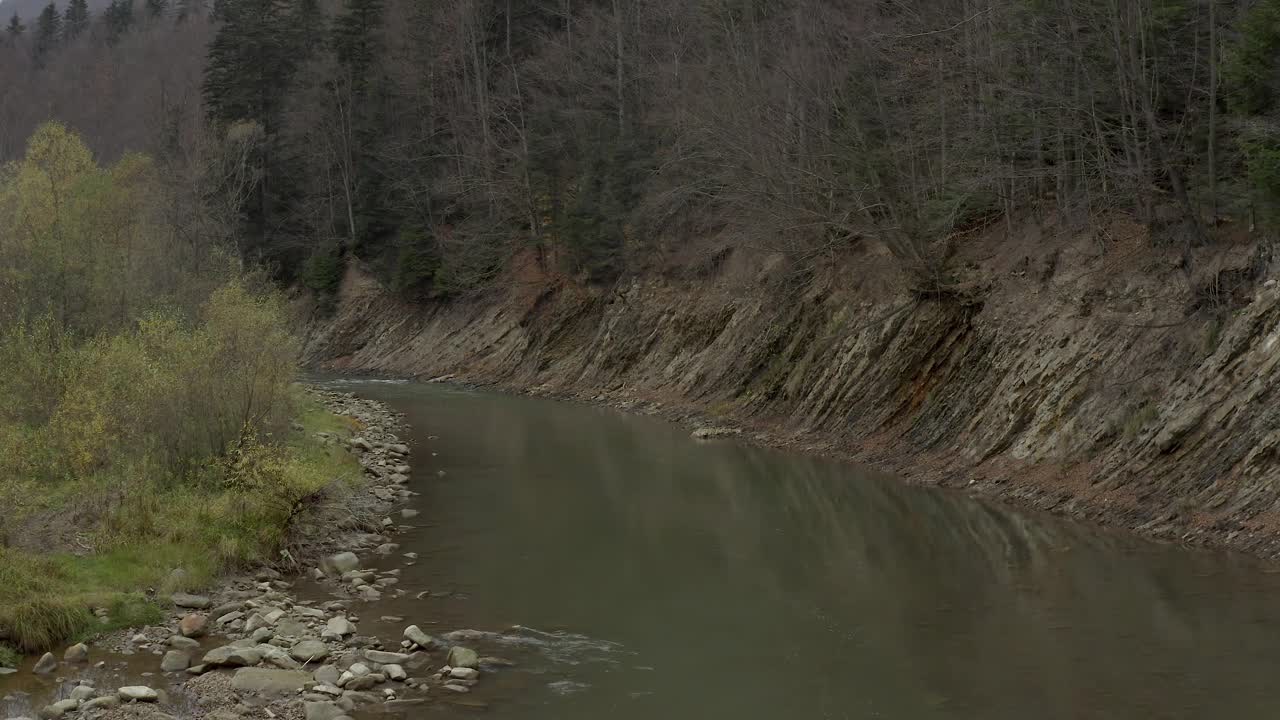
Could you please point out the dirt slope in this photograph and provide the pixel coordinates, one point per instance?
(1087, 374)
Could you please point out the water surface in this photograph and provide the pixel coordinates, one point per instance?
(691, 579)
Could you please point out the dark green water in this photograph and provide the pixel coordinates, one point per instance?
(715, 580)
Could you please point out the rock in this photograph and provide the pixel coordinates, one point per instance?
(359, 670)
(175, 660)
(402, 449)
(706, 433)
(340, 626)
(395, 672)
(414, 634)
(138, 693)
(274, 616)
(327, 675)
(290, 628)
(60, 708)
(387, 548)
(193, 602)
(101, 703)
(232, 656)
(308, 612)
(359, 443)
(309, 651)
(269, 681)
(77, 653)
(254, 622)
(401, 469)
(183, 643)
(273, 655)
(46, 664)
(225, 608)
(464, 673)
(368, 593)
(327, 689)
(199, 669)
(230, 617)
(456, 687)
(340, 563)
(193, 626)
(492, 661)
(262, 635)
(384, 658)
(357, 684)
(400, 479)
(322, 711)
(463, 657)
(82, 693)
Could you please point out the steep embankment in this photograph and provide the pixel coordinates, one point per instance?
(1086, 374)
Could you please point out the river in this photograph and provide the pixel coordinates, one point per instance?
(655, 576)
(732, 581)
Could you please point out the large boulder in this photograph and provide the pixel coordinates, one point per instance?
(105, 702)
(194, 625)
(175, 660)
(60, 708)
(385, 658)
(415, 635)
(268, 681)
(46, 664)
(322, 711)
(77, 653)
(138, 693)
(309, 651)
(232, 656)
(463, 657)
(191, 602)
(338, 627)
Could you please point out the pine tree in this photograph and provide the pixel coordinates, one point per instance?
(357, 39)
(251, 64)
(119, 16)
(15, 28)
(157, 8)
(309, 28)
(48, 30)
(76, 19)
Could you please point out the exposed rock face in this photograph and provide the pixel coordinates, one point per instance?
(1071, 381)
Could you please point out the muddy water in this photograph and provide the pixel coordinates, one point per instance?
(633, 573)
(714, 580)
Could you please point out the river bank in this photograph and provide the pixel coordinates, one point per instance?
(254, 646)
(1096, 385)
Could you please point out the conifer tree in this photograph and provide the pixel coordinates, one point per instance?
(119, 17)
(157, 8)
(75, 20)
(15, 28)
(48, 30)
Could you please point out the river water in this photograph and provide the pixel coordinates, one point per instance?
(649, 575)
(696, 579)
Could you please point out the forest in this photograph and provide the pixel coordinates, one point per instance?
(436, 141)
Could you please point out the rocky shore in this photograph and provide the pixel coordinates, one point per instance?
(255, 649)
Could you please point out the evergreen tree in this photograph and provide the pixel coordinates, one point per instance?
(157, 8)
(251, 64)
(76, 19)
(15, 28)
(48, 29)
(119, 17)
(309, 28)
(357, 39)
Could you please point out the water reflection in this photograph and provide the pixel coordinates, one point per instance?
(757, 584)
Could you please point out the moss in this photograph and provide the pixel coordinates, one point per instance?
(9, 657)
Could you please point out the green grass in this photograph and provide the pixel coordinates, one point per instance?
(204, 528)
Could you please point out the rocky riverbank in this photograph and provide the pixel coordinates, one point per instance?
(254, 648)
(1097, 383)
